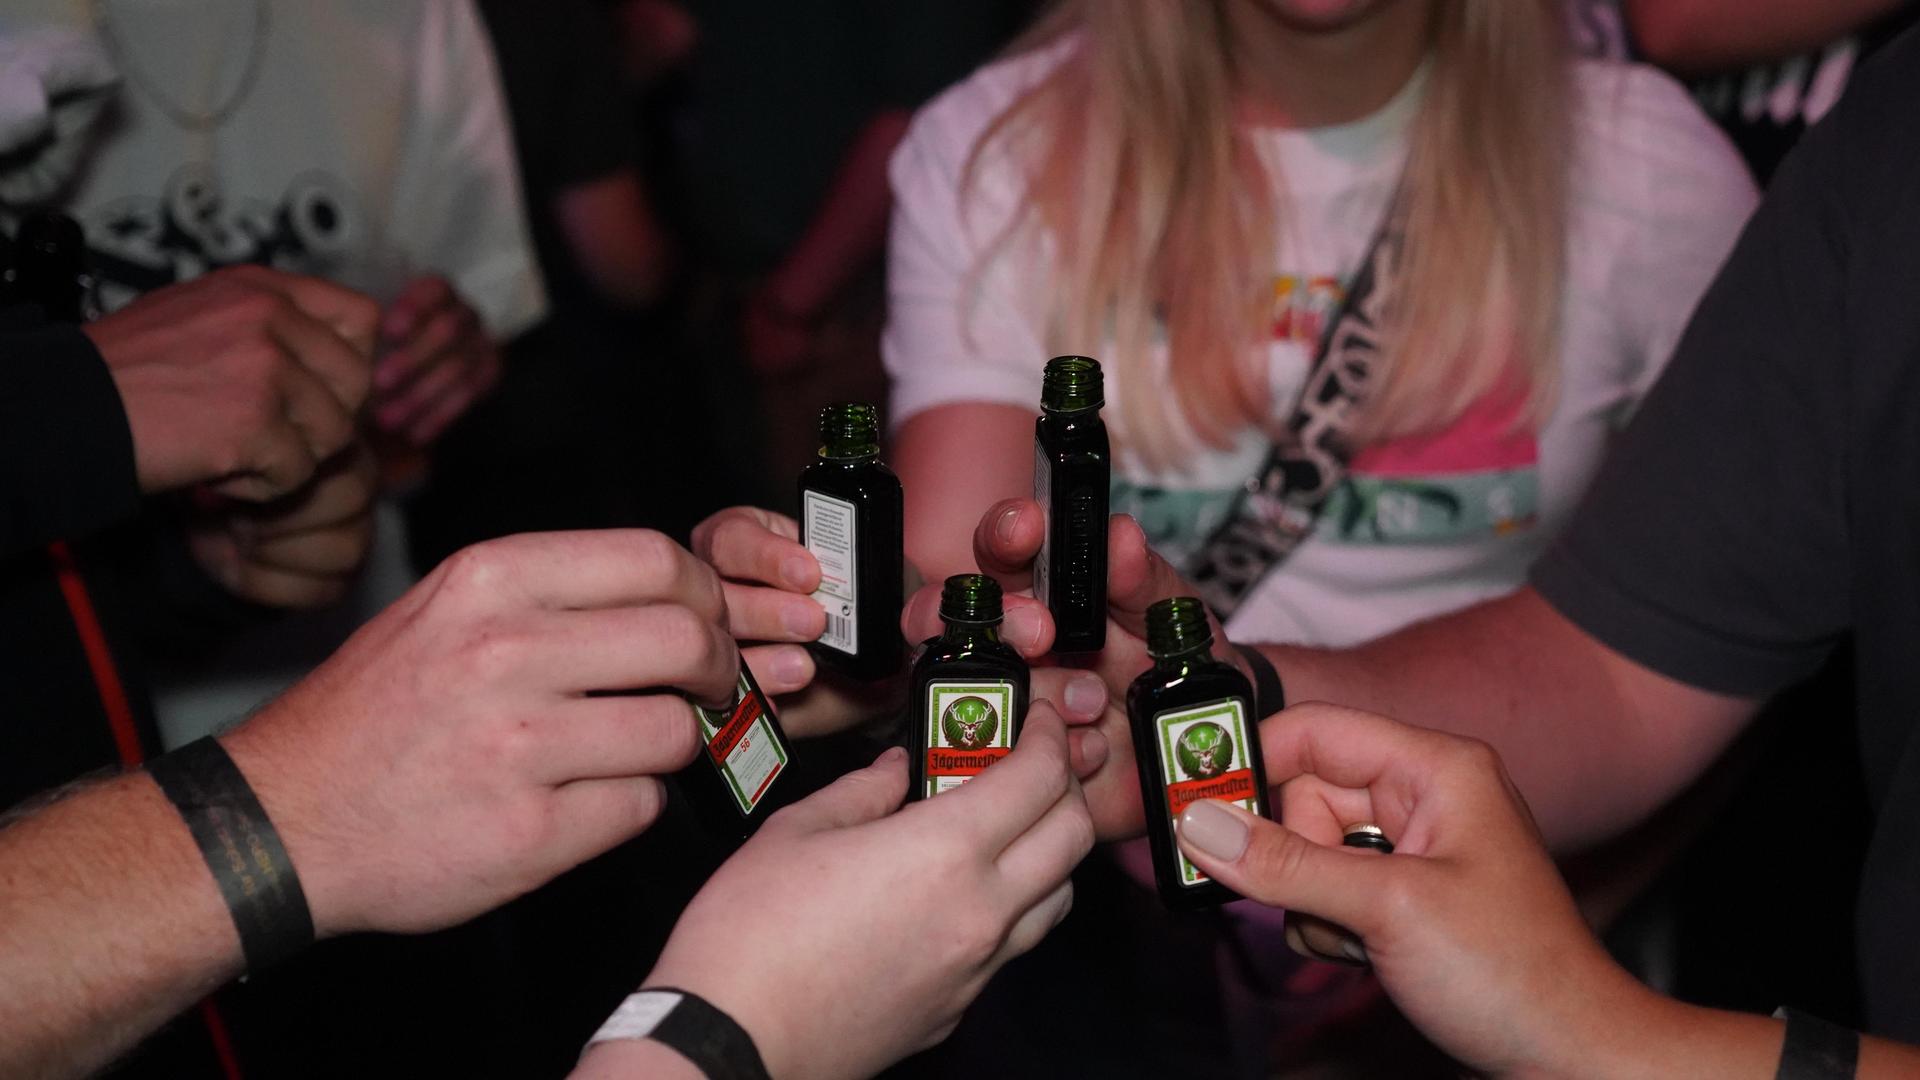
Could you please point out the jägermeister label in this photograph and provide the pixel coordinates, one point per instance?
(743, 746)
(1203, 755)
(968, 727)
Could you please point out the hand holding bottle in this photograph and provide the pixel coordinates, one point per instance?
(768, 579)
(1467, 924)
(840, 974)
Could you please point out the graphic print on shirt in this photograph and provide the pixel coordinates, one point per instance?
(1476, 478)
(141, 243)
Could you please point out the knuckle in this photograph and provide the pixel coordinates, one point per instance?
(475, 571)
(655, 557)
(982, 936)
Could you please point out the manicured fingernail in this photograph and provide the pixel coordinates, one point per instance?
(1093, 751)
(1086, 696)
(1354, 951)
(1215, 830)
(1003, 528)
(791, 667)
(802, 620)
(795, 570)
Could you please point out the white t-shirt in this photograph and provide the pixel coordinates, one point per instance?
(367, 142)
(1422, 526)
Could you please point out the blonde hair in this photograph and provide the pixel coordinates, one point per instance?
(1163, 219)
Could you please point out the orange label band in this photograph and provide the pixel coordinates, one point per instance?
(729, 736)
(945, 761)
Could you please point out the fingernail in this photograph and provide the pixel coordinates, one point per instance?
(1003, 528)
(1093, 751)
(802, 620)
(1086, 696)
(791, 667)
(795, 571)
(890, 755)
(1022, 626)
(1354, 951)
(1215, 830)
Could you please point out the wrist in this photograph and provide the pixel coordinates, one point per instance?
(761, 1020)
(260, 751)
(1606, 1024)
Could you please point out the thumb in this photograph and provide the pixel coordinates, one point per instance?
(859, 797)
(1270, 863)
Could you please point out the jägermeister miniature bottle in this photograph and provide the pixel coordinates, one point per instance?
(850, 518)
(1195, 737)
(969, 694)
(1071, 469)
(744, 753)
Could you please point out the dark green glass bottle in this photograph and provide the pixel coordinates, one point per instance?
(851, 519)
(1071, 473)
(1194, 737)
(745, 752)
(969, 694)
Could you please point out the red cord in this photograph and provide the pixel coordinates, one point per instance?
(126, 736)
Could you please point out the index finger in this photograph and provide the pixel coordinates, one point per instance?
(353, 316)
(1004, 801)
(746, 543)
(599, 568)
(345, 371)
(1137, 577)
(1356, 750)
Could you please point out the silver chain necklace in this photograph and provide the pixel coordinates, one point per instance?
(190, 119)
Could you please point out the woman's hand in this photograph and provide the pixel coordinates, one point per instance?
(845, 936)
(1467, 923)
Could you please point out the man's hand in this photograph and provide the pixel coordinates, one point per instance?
(436, 360)
(299, 551)
(843, 938)
(1091, 690)
(770, 578)
(452, 755)
(1467, 923)
(245, 379)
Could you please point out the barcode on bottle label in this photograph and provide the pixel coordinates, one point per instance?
(829, 530)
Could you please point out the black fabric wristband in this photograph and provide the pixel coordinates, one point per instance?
(1816, 1049)
(241, 847)
(690, 1026)
(1269, 696)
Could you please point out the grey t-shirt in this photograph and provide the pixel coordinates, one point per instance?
(1765, 504)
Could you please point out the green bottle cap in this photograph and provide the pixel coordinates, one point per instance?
(1072, 384)
(1177, 626)
(970, 598)
(849, 429)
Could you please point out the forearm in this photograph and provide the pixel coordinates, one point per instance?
(1657, 1036)
(1594, 741)
(849, 228)
(110, 925)
(1706, 36)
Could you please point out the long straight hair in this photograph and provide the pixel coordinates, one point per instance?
(1164, 221)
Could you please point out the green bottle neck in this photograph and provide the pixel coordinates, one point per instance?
(1185, 660)
(970, 633)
